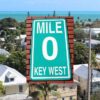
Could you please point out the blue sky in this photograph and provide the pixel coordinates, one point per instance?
(49, 5)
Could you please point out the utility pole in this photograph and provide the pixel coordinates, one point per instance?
(89, 67)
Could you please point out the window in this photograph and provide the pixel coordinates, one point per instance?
(20, 88)
(63, 98)
(25, 39)
(71, 98)
(11, 79)
(6, 79)
(54, 99)
(71, 87)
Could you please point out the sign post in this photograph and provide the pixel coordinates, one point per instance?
(50, 56)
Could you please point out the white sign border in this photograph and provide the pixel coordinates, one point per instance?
(32, 53)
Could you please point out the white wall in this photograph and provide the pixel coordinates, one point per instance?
(15, 89)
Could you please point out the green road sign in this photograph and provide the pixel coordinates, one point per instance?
(50, 58)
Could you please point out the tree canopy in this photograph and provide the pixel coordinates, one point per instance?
(17, 60)
(2, 90)
(46, 89)
(79, 35)
(8, 22)
(82, 54)
(2, 59)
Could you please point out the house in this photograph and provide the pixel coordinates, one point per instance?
(12, 28)
(81, 75)
(93, 42)
(13, 81)
(66, 92)
(22, 38)
(98, 57)
(23, 43)
(94, 31)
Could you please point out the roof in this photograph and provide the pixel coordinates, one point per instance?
(94, 31)
(81, 70)
(7, 73)
(2, 39)
(19, 96)
(21, 36)
(4, 52)
(12, 28)
(93, 41)
(98, 56)
(23, 42)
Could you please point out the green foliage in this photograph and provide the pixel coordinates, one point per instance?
(8, 22)
(96, 48)
(98, 38)
(36, 95)
(17, 60)
(2, 90)
(22, 27)
(2, 59)
(55, 93)
(82, 54)
(95, 96)
(46, 89)
(79, 35)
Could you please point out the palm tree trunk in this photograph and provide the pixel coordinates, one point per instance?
(46, 95)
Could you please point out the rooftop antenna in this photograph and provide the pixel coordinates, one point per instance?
(69, 14)
(28, 13)
(54, 13)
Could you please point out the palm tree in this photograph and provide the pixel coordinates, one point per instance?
(35, 95)
(46, 89)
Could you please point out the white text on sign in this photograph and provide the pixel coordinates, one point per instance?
(57, 70)
(45, 27)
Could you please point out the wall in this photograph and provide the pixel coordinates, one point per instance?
(66, 92)
(14, 89)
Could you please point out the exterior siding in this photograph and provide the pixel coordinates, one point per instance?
(14, 89)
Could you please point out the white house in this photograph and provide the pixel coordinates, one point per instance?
(66, 92)
(20, 37)
(81, 75)
(13, 81)
(94, 31)
(98, 57)
(93, 42)
(23, 42)
(12, 28)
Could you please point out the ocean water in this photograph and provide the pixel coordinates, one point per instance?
(22, 15)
